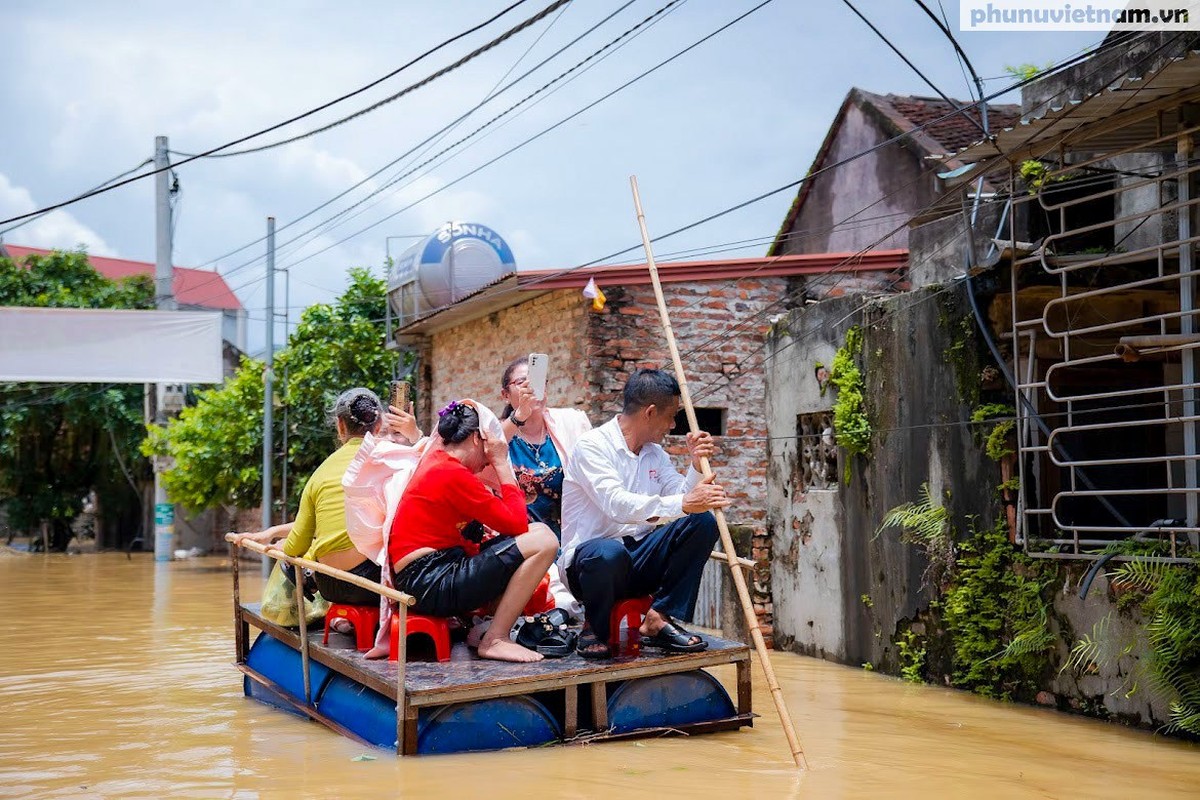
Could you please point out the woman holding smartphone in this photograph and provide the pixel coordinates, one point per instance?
(540, 440)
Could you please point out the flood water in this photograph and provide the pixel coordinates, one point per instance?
(116, 681)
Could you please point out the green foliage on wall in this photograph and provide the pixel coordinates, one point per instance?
(1168, 598)
(850, 420)
(996, 442)
(911, 649)
(995, 612)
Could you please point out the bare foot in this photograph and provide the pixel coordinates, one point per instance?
(477, 632)
(505, 650)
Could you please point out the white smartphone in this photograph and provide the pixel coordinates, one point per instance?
(538, 365)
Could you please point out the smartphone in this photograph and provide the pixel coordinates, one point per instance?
(400, 392)
(538, 364)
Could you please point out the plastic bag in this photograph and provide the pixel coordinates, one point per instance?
(279, 601)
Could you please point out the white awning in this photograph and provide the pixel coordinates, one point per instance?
(71, 345)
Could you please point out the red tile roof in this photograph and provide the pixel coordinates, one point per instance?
(192, 287)
(955, 132)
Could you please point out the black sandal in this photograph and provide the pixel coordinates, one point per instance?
(674, 639)
(543, 634)
(589, 646)
(558, 644)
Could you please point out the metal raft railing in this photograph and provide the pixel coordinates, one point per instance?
(1104, 341)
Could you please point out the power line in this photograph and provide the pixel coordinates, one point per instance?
(914, 68)
(38, 215)
(547, 130)
(499, 40)
(431, 138)
(274, 127)
(392, 181)
(1018, 84)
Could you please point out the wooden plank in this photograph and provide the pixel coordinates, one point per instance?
(432, 684)
(445, 696)
(745, 699)
(402, 737)
(571, 712)
(410, 732)
(301, 708)
(599, 707)
(429, 678)
(302, 616)
(240, 632)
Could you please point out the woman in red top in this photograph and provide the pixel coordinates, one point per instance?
(426, 546)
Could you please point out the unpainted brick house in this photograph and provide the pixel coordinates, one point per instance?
(720, 312)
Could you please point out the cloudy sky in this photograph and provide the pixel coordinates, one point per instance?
(88, 85)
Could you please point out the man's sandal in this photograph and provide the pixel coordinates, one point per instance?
(674, 639)
(592, 647)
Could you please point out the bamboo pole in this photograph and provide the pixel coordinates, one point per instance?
(317, 566)
(739, 581)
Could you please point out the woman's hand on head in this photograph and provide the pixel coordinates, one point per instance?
(495, 449)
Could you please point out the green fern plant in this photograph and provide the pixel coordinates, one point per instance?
(926, 523)
(1171, 638)
(1037, 639)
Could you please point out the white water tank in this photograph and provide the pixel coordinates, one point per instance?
(457, 259)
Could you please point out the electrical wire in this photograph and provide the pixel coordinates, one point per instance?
(39, 215)
(793, 184)
(431, 138)
(953, 103)
(546, 130)
(276, 126)
(392, 181)
(536, 18)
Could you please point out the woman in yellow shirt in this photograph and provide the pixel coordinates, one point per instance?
(319, 530)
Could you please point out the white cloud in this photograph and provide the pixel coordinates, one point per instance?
(58, 229)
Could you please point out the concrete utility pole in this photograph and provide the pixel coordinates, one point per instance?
(164, 299)
(269, 390)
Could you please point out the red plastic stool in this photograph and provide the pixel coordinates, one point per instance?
(541, 600)
(365, 620)
(631, 610)
(436, 628)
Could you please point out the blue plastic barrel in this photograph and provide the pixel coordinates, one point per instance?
(278, 662)
(494, 724)
(668, 701)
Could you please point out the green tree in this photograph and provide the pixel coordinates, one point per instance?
(58, 444)
(217, 444)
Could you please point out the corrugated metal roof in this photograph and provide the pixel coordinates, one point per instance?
(1128, 112)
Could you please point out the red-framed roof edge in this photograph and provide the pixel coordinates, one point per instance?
(724, 269)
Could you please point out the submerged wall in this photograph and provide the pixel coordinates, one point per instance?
(840, 589)
(845, 591)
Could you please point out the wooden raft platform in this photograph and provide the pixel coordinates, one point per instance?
(464, 680)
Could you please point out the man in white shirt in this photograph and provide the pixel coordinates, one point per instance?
(632, 525)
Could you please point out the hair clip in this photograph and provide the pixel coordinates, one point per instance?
(453, 405)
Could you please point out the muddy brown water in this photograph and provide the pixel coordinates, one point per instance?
(116, 681)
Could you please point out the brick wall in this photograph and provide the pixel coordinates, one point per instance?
(720, 333)
(467, 360)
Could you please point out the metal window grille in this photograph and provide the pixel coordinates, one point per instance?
(1104, 336)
